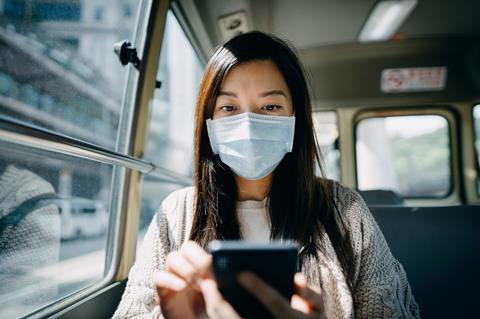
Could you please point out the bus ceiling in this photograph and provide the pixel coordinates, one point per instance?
(358, 38)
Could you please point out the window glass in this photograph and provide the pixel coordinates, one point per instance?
(326, 131)
(406, 154)
(57, 66)
(476, 123)
(170, 135)
(53, 225)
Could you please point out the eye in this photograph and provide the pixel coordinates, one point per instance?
(227, 108)
(272, 107)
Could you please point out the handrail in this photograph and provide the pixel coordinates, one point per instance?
(20, 133)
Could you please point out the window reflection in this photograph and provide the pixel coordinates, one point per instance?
(53, 227)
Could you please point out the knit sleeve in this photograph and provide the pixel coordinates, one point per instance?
(381, 289)
(138, 300)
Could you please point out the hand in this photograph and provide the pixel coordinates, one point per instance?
(177, 286)
(306, 303)
(216, 306)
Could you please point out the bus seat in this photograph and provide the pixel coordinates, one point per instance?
(439, 247)
(381, 197)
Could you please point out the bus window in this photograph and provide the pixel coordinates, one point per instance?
(476, 123)
(326, 130)
(170, 136)
(407, 154)
(58, 70)
(60, 85)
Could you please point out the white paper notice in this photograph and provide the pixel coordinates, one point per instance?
(413, 79)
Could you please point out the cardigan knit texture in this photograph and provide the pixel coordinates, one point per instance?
(380, 284)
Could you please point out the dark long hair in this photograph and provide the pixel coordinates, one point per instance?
(299, 203)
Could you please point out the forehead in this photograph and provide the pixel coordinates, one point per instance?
(256, 75)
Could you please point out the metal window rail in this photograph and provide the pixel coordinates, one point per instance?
(19, 133)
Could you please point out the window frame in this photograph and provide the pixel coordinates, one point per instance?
(337, 115)
(445, 111)
(133, 129)
(476, 153)
(127, 166)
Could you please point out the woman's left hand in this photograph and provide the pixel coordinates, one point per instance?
(306, 303)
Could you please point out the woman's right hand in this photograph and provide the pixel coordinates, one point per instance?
(177, 286)
(306, 303)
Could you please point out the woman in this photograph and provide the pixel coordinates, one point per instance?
(252, 182)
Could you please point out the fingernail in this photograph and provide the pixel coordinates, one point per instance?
(300, 278)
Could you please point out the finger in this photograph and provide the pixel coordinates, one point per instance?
(217, 307)
(300, 304)
(166, 283)
(210, 291)
(271, 298)
(312, 295)
(178, 265)
(198, 258)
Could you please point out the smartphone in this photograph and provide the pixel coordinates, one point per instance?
(275, 263)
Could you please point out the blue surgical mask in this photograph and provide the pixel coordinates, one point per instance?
(251, 144)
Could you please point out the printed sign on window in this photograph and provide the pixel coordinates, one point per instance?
(413, 79)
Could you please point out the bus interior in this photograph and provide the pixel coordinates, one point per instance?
(97, 104)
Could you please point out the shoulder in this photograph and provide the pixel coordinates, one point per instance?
(344, 198)
(347, 200)
(25, 183)
(345, 195)
(175, 213)
(353, 212)
(177, 199)
(19, 186)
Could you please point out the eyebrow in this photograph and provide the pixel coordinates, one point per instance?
(227, 93)
(273, 92)
(264, 94)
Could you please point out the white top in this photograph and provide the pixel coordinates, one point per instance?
(253, 220)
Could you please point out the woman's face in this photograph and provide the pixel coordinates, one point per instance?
(257, 87)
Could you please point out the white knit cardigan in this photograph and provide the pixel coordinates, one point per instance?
(380, 283)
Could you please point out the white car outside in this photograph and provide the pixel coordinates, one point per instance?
(81, 217)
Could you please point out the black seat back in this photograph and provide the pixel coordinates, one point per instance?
(439, 248)
(381, 197)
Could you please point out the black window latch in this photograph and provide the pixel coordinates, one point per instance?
(128, 54)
